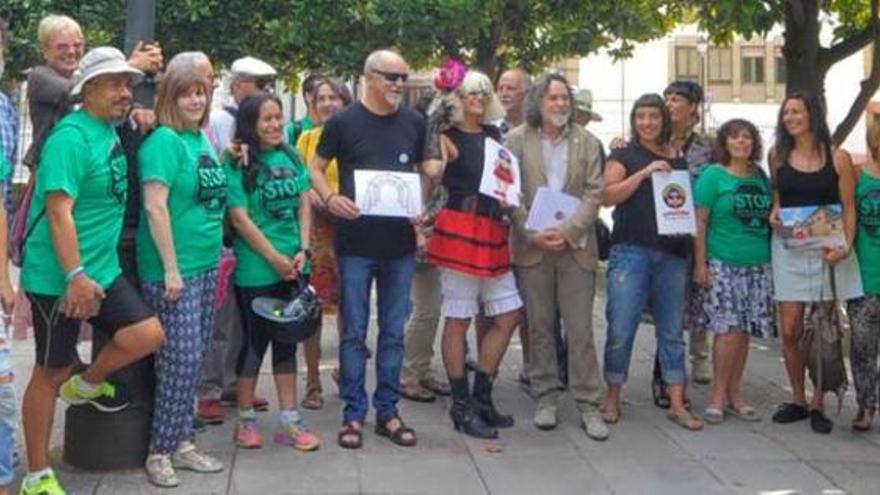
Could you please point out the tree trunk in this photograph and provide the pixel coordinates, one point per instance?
(801, 49)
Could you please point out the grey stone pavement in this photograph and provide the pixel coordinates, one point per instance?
(645, 454)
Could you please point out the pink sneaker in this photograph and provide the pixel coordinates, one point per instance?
(298, 436)
(247, 435)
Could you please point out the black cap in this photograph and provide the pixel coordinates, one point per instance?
(688, 89)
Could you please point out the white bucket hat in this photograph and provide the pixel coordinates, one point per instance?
(101, 61)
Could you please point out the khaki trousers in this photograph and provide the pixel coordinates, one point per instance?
(421, 329)
(558, 285)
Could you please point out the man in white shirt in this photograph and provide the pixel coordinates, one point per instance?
(248, 74)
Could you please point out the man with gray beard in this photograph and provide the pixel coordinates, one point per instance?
(376, 133)
(557, 266)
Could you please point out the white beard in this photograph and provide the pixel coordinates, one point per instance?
(393, 99)
(560, 120)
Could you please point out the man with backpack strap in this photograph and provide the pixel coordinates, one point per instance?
(248, 75)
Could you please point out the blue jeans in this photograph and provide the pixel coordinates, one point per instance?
(393, 278)
(635, 274)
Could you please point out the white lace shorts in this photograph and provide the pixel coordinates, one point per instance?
(463, 293)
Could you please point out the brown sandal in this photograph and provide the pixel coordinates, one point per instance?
(687, 421)
(402, 435)
(313, 399)
(351, 431)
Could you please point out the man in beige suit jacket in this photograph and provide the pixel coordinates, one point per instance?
(557, 266)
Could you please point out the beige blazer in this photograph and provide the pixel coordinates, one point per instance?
(583, 179)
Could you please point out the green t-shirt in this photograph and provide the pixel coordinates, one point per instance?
(185, 162)
(5, 167)
(868, 232)
(273, 205)
(84, 159)
(738, 232)
(294, 130)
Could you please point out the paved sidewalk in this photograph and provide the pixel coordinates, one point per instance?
(645, 454)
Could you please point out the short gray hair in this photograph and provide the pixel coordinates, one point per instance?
(537, 91)
(187, 61)
(377, 56)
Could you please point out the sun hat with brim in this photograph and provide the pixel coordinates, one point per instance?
(583, 102)
(101, 61)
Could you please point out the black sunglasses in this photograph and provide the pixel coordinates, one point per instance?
(392, 76)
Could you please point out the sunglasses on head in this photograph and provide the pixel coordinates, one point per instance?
(392, 76)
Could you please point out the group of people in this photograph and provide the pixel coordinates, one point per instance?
(125, 230)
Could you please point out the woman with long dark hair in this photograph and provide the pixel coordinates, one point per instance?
(732, 274)
(271, 244)
(644, 266)
(808, 171)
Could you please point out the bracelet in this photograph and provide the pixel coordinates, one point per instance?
(73, 273)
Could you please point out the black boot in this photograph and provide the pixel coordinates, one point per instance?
(463, 417)
(483, 402)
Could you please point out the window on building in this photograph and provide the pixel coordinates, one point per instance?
(720, 65)
(752, 65)
(687, 64)
(781, 72)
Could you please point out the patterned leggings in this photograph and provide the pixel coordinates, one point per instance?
(188, 323)
(864, 314)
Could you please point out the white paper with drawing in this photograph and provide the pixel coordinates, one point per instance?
(550, 209)
(674, 203)
(501, 177)
(388, 194)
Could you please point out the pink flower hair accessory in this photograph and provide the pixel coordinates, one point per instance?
(450, 75)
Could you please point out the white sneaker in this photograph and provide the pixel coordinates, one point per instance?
(545, 417)
(189, 457)
(594, 426)
(160, 472)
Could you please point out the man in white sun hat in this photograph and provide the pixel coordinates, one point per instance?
(248, 74)
(71, 269)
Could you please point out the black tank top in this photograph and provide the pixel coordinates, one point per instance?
(463, 175)
(798, 188)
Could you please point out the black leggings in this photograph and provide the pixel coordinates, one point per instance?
(254, 337)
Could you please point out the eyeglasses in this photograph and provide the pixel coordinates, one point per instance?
(392, 76)
(65, 46)
(478, 93)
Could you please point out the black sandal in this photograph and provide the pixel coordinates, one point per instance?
(402, 435)
(658, 392)
(351, 430)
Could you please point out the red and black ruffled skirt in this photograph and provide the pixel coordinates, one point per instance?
(467, 241)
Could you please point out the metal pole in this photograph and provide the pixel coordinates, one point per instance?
(95, 440)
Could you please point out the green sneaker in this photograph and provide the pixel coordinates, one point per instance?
(108, 397)
(45, 485)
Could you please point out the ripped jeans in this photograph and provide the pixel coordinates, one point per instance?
(8, 407)
(635, 276)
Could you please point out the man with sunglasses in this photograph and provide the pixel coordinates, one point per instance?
(376, 133)
(248, 74)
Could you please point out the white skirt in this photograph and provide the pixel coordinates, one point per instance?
(802, 276)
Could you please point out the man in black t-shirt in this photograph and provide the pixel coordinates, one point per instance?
(374, 134)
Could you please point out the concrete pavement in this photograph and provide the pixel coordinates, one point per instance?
(645, 454)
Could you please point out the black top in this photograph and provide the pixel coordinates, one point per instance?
(635, 220)
(360, 139)
(798, 188)
(463, 175)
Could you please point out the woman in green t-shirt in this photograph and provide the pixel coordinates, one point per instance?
(178, 249)
(864, 312)
(732, 263)
(272, 221)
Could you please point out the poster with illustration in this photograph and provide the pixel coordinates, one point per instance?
(813, 227)
(501, 176)
(388, 194)
(674, 203)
